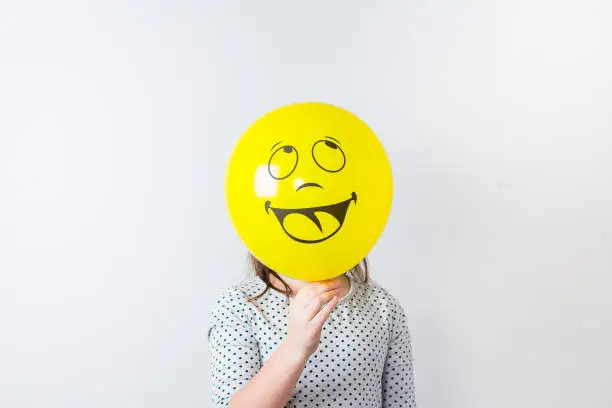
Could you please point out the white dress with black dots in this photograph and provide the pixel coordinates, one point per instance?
(364, 358)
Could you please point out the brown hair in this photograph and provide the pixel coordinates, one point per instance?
(359, 272)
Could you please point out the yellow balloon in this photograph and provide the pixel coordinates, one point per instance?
(309, 190)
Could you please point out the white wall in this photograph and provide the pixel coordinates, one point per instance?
(116, 121)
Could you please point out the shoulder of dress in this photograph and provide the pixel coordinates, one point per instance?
(242, 292)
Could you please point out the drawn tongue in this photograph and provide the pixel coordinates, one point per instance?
(311, 225)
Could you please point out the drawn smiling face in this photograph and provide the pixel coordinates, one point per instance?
(309, 190)
(328, 155)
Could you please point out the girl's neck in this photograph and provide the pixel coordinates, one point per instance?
(296, 285)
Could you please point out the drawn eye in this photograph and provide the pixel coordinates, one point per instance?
(283, 162)
(328, 156)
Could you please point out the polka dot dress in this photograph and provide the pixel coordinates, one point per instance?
(364, 358)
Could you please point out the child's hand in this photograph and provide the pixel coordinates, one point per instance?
(308, 311)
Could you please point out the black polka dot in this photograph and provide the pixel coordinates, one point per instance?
(364, 356)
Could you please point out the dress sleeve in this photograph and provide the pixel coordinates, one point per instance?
(398, 374)
(234, 351)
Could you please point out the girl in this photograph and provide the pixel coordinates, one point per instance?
(278, 342)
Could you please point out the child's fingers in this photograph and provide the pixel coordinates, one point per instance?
(314, 306)
(305, 294)
(324, 313)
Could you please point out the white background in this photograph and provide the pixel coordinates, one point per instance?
(116, 123)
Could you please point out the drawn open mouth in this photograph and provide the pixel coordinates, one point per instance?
(327, 219)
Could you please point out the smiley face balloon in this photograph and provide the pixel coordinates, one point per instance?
(309, 190)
